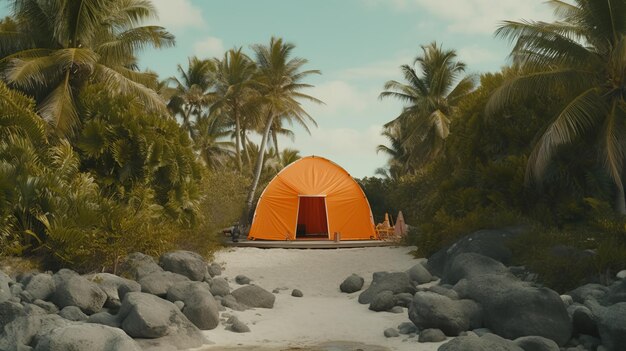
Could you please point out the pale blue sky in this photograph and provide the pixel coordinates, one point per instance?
(357, 44)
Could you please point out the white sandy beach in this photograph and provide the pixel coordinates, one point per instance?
(324, 313)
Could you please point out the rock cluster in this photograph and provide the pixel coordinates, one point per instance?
(163, 306)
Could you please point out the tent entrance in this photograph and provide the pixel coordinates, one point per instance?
(312, 218)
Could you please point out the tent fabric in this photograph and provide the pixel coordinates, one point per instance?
(347, 209)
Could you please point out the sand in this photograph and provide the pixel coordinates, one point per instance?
(324, 319)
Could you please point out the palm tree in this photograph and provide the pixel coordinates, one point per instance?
(430, 98)
(56, 47)
(280, 78)
(211, 141)
(583, 51)
(399, 162)
(191, 97)
(234, 92)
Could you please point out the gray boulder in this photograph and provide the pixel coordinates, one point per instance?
(383, 301)
(469, 265)
(442, 290)
(431, 335)
(220, 287)
(403, 299)
(419, 274)
(9, 311)
(611, 324)
(237, 326)
(536, 343)
(490, 243)
(105, 318)
(214, 270)
(391, 333)
(49, 307)
(396, 309)
(138, 265)
(351, 284)
(297, 293)
(583, 320)
(5, 291)
(242, 279)
(254, 296)
(40, 286)
(407, 328)
(187, 263)
(616, 293)
(74, 290)
(230, 302)
(150, 317)
(86, 337)
(430, 310)
(537, 311)
(74, 314)
(487, 342)
(114, 287)
(158, 283)
(199, 305)
(396, 282)
(593, 291)
(26, 330)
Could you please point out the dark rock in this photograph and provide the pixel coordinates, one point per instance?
(158, 283)
(403, 299)
(105, 318)
(589, 342)
(138, 265)
(296, 293)
(114, 287)
(407, 328)
(419, 274)
(396, 282)
(488, 342)
(74, 290)
(352, 284)
(242, 279)
(537, 311)
(383, 301)
(147, 316)
(86, 337)
(74, 314)
(230, 302)
(582, 293)
(431, 335)
(583, 320)
(26, 296)
(49, 307)
(239, 327)
(611, 323)
(469, 265)
(9, 311)
(536, 343)
(199, 305)
(616, 293)
(214, 269)
(391, 333)
(490, 243)
(441, 290)
(5, 291)
(482, 331)
(186, 263)
(32, 309)
(430, 310)
(40, 286)
(26, 330)
(220, 287)
(254, 296)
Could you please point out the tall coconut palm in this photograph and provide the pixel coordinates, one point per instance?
(234, 92)
(430, 97)
(280, 78)
(57, 46)
(212, 141)
(191, 96)
(584, 50)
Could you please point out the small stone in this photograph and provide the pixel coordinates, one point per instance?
(351, 284)
(397, 309)
(407, 328)
(391, 333)
(296, 293)
(214, 269)
(242, 280)
(567, 300)
(73, 313)
(276, 291)
(49, 307)
(431, 335)
(179, 304)
(621, 274)
(239, 327)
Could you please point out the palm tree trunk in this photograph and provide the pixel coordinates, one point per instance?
(257, 170)
(275, 141)
(244, 147)
(238, 141)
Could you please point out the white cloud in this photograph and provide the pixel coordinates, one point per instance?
(475, 54)
(338, 96)
(178, 14)
(209, 47)
(384, 70)
(474, 16)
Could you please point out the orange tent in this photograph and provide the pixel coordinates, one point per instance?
(313, 198)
